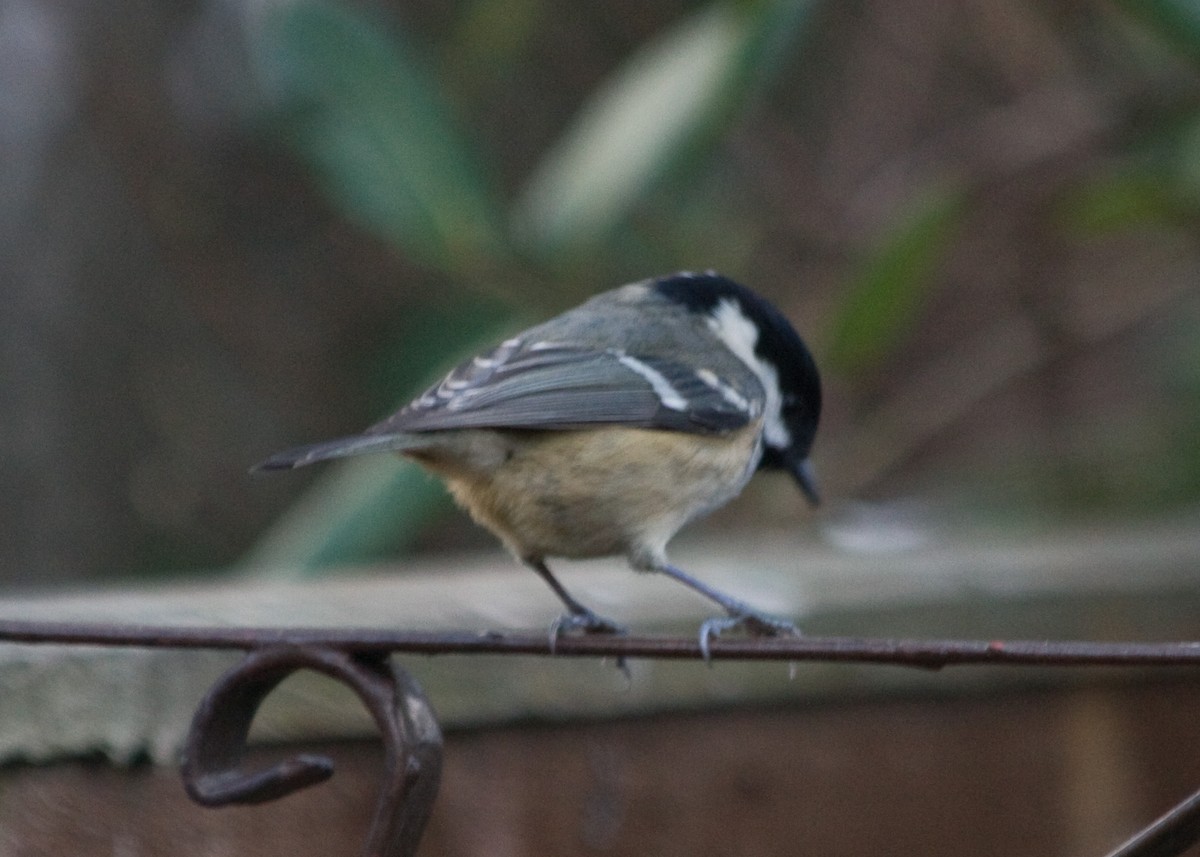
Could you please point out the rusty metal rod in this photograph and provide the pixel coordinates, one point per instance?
(1167, 836)
(926, 654)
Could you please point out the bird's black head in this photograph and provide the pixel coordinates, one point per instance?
(763, 338)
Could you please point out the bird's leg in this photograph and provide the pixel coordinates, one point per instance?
(577, 616)
(740, 614)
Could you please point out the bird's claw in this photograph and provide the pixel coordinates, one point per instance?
(755, 623)
(589, 623)
(584, 621)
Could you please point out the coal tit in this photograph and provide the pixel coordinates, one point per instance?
(606, 429)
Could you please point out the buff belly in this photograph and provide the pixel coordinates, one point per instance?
(593, 492)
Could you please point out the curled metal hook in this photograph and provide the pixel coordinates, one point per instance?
(216, 743)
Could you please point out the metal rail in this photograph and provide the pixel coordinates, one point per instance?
(361, 659)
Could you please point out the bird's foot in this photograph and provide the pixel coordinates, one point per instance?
(583, 621)
(587, 622)
(754, 622)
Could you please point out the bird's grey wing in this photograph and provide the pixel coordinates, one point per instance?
(560, 387)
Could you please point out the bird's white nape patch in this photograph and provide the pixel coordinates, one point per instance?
(667, 394)
(740, 335)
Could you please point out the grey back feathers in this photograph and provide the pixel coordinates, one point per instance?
(660, 354)
(548, 386)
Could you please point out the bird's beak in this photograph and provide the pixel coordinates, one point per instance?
(802, 470)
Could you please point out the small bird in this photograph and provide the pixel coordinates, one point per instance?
(604, 430)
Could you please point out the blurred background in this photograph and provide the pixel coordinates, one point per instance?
(227, 228)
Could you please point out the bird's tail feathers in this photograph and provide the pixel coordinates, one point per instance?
(342, 447)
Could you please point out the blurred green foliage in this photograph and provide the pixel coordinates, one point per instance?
(363, 110)
(1176, 22)
(652, 119)
(883, 300)
(1124, 200)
